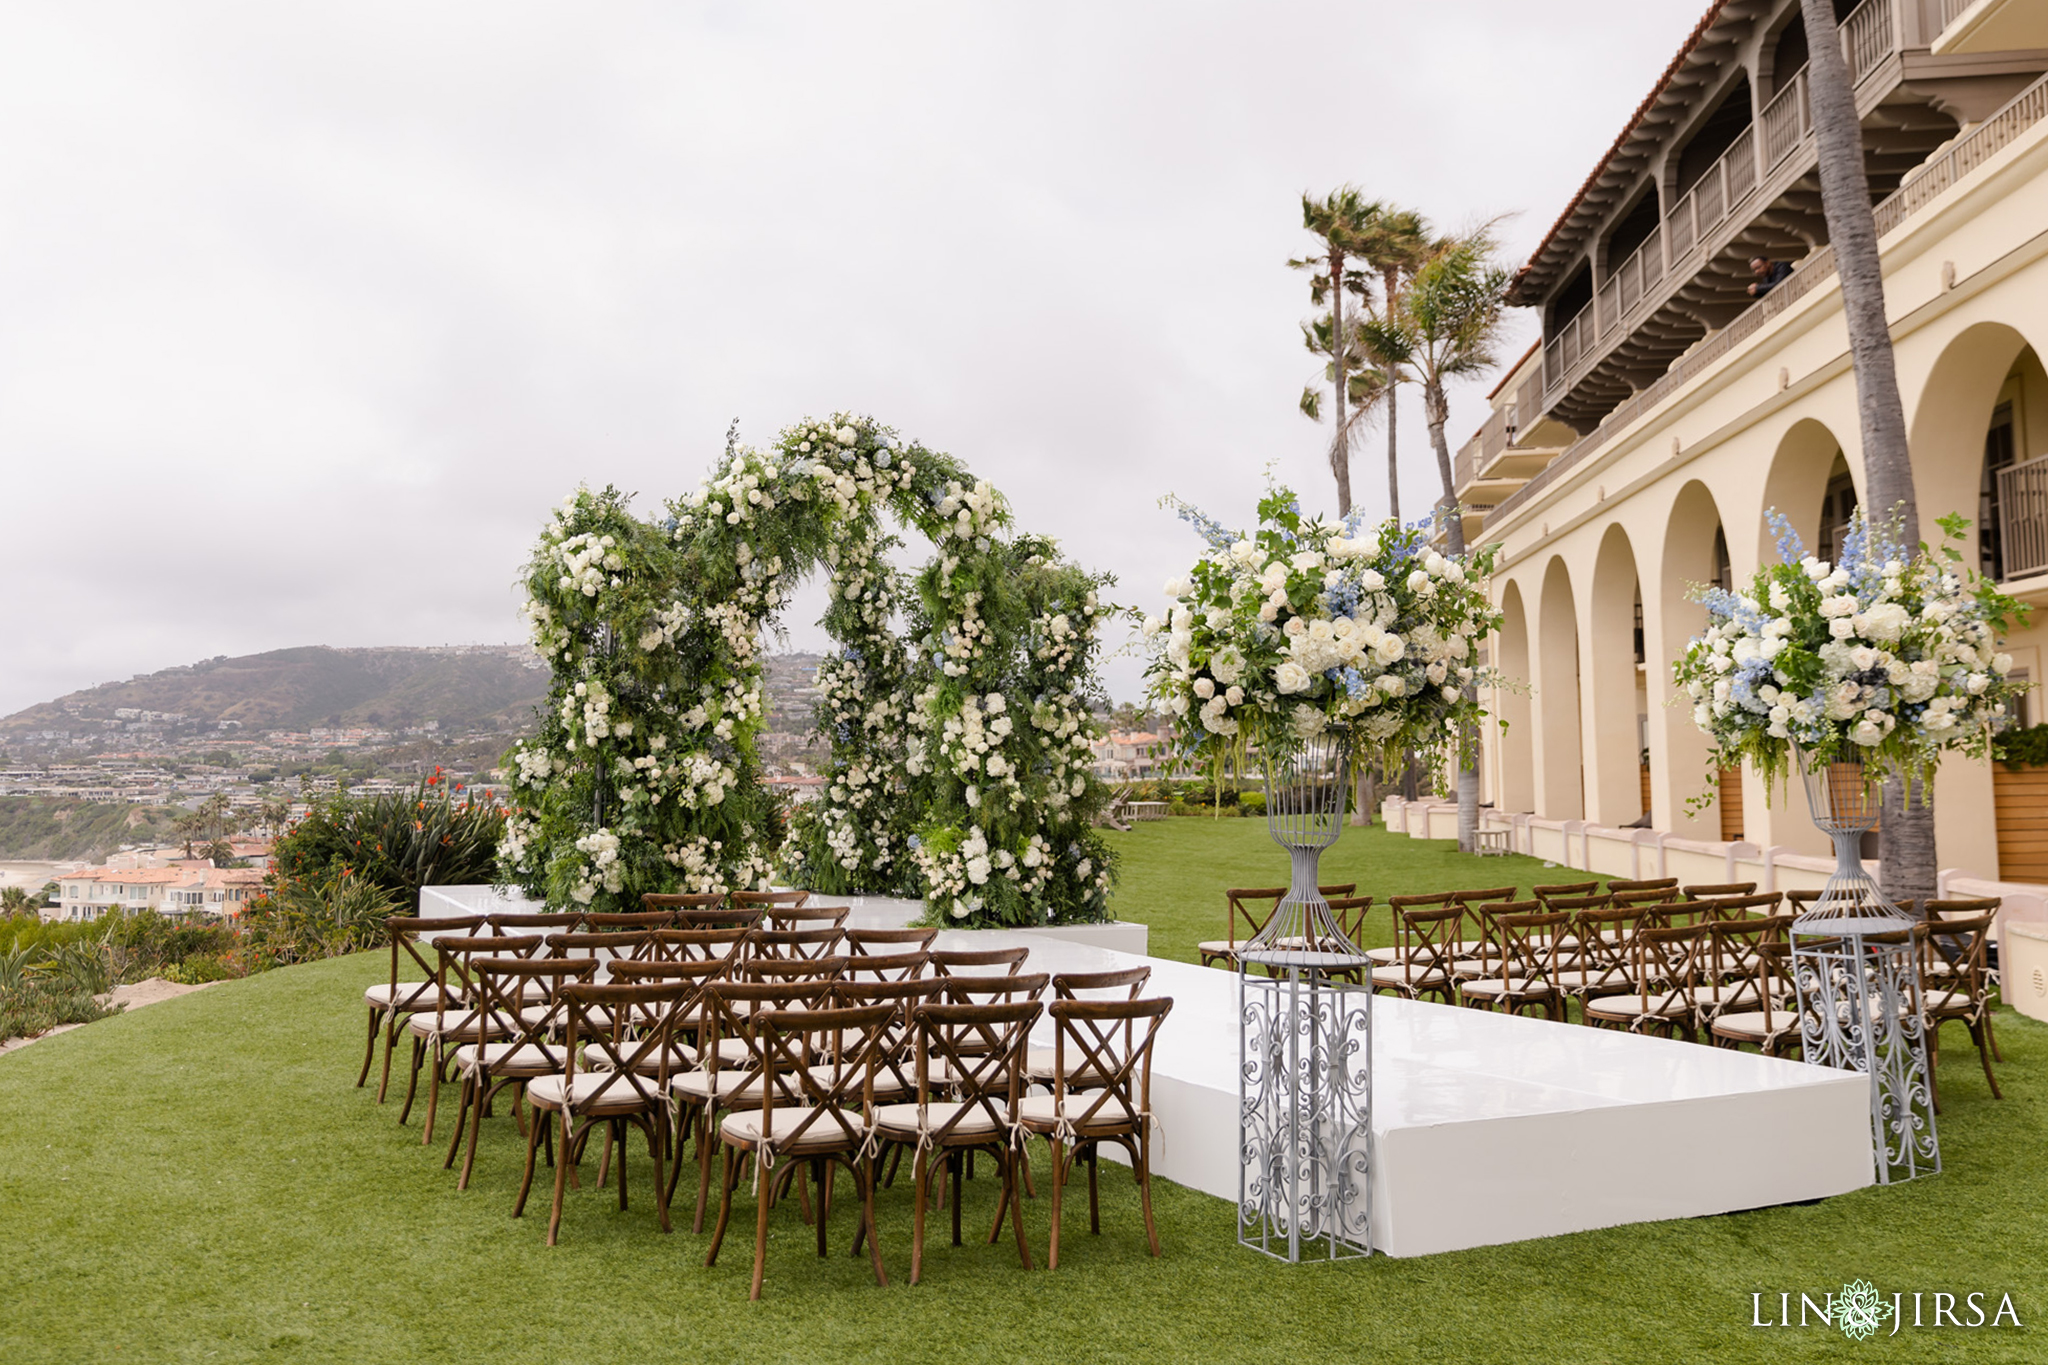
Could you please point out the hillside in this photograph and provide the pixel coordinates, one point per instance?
(38, 828)
(488, 688)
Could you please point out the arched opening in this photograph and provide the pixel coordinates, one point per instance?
(1979, 434)
(1516, 744)
(1716, 134)
(1810, 485)
(1615, 694)
(1695, 552)
(1560, 773)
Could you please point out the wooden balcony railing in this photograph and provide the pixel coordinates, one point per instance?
(1869, 35)
(2023, 517)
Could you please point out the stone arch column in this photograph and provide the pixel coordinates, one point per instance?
(1614, 785)
(1678, 751)
(1515, 747)
(1559, 774)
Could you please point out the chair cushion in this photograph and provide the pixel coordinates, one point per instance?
(681, 1057)
(1218, 947)
(1749, 1024)
(512, 1058)
(833, 1132)
(1041, 1113)
(1384, 956)
(1407, 978)
(908, 1120)
(1666, 1002)
(407, 995)
(467, 1024)
(1039, 1063)
(1493, 987)
(582, 1092)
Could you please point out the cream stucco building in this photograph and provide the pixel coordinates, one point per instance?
(1638, 447)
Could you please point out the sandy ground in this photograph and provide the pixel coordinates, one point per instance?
(33, 876)
(132, 997)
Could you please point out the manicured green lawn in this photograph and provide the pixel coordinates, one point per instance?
(199, 1181)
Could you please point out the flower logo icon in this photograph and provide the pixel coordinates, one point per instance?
(1859, 1312)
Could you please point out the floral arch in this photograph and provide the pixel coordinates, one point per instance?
(959, 768)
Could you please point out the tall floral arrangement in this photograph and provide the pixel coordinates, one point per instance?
(1886, 656)
(1301, 626)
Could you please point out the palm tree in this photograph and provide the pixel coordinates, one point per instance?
(1396, 249)
(1446, 325)
(1345, 221)
(1906, 835)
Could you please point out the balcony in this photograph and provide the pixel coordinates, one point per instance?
(1688, 278)
(2023, 519)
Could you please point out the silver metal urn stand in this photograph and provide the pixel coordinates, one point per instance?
(1859, 990)
(1305, 1061)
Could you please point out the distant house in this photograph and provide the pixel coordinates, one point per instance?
(1129, 756)
(190, 891)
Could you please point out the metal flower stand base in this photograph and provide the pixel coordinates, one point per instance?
(1859, 991)
(1305, 1061)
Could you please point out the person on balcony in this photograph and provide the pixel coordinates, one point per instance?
(1768, 274)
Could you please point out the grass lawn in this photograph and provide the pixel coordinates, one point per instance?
(199, 1181)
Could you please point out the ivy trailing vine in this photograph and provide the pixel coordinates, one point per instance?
(958, 753)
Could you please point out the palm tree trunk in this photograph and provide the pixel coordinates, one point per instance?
(1437, 410)
(1906, 838)
(1391, 286)
(1340, 442)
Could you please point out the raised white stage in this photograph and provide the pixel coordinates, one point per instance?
(1489, 1128)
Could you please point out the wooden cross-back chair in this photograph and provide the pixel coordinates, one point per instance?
(399, 996)
(629, 921)
(1528, 967)
(627, 1087)
(1619, 885)
(682, 900)
(863, 941)
(807, 916)
(1568, 945)
(1553, 890)
(1665, 968)
(1699, 891)
(1961, 992)
(1725, 976)
(1424, 939)
(455, 1019)
(1389, 956)
(896, 1064)
(1605, 939)
(1487, 952)
(726, 918)
(978, 1051)
(788, 899)
(526, 1049)
(696, 973)
(697, 945)
(1771, 1023)
(887, 966)
(1482, 947)
(1747, 905)
(817, 1088)
(531, 921)
(1101, 1092)
(1252, 907)
(796, 943)
(729, 1073)
(1124, 984)
(979, 961)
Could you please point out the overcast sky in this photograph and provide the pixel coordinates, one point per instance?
(309, 312)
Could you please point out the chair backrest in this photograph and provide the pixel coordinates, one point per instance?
(454, 953)
(1616, 885)
(1427, 900)
(1426, 936)
(762, 900)
(1342, 889)
(980, 962)
(603, 948)
(1606, 942)
(689, 945)
(861, 941)
(1668, 957)
(825, 969)
(727, 918)
(1699, 891)
(887, 966)
(1571, 905)
(1963, 909)
(1529, 946)
(503, 1005)
(1961, 944)
(1556, 889)
(407, 944)
(979, 1050)
(1761, 905)
(682, 900)
(807, 916)
(695, 974)
(1349, 912)
(1773, 979)
(1108, 1043)
(1252, 906)
(1485, 913)
(826, 1058)
(790, 943)
(1486, 895)
(609, 1024)
(1105, 985)
(731, 1009)
(967, 990)
(899, 1053)
(526, 922)
(1649, 895)
(629, 921)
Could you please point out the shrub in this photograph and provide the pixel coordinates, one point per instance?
(2024, 748)
(397, 843)
(38, 1005)
(309, 918)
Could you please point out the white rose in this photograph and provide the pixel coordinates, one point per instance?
(1204, 688)
(845, 435)
(1234, 697)
(1291, 677)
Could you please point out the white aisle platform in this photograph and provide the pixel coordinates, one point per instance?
(1490, 1128)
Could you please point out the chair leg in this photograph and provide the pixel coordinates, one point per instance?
(604, 1158)
(617, 1128)
(724, 1211)
(1142, 1168)
(958, 1171)
(703, 1168)
(369, 1050)
(412, 1083)
(1981, 1036)
(1094, 1203)
(864, 1176)
(433, 1096)
(1013, 1191)
(562, 1164)
(1934, 1066)
(761, 1234)
(462, 1125)
(821, 1173)
(526, 1180)
(390, 1041)
(1997, 1053)
(923, 1172)
(1059, 1184)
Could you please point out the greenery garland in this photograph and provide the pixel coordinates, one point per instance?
(958, 762)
